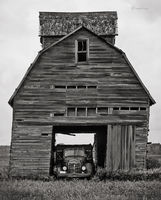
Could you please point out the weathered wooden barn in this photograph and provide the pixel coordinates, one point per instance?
(80, 82)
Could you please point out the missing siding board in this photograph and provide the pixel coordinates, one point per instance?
(92, 87)
(60, 87)
(58, 114)
(19, 120)
(142, 108)
(44, 134)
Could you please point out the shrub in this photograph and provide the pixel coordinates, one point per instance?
(152, 163)
(133, 175)
(4, 174)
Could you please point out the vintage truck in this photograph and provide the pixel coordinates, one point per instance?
(74, 161)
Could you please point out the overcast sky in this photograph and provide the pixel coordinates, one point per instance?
(139, 29)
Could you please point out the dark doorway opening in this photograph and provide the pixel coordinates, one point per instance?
(99, 145)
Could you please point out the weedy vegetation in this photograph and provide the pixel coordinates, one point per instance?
(118, 185)
(104, 186)
(78, 190)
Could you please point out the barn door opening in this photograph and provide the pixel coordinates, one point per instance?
(120, 147)
(94, 135)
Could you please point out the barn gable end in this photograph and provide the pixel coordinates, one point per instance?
(109, 57)
(58, 90)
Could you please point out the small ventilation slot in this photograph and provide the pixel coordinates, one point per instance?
(71, 87)
(134, 108)
(58, 114)
(81, 87)
(116, 108)
(142, 108)
(44, 134)
(60, 87)
(124, 108)
(92, 87)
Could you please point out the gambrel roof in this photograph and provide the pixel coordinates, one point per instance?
(62, 23)
(152, 101)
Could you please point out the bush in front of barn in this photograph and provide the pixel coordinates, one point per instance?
(4, 173)
(152, 163)
(133, 175)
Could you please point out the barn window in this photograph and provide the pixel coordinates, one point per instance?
(82, 50)
(81, 112)
(71, 112)
(91, 111)
(102, 110)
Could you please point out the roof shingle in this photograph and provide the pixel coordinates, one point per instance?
(60, 23)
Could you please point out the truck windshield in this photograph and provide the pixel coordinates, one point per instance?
(74, 152)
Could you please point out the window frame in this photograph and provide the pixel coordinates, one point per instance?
(85, 51)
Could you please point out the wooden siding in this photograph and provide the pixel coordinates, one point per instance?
(30, 150)
(46, 41)
(37, 101)
(120, 147)
(4, 157)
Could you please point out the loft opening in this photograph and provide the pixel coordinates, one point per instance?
(82, 49)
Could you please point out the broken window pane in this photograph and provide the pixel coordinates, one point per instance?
(82, 51)
(82, 57)
(82, 45)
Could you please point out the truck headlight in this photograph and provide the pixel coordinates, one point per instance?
(64, 168)
(83, 168)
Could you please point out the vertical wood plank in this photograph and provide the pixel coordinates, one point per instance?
(109, 148)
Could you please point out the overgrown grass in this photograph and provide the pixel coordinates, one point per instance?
(133, 175)
(105, 185)
(78, 190)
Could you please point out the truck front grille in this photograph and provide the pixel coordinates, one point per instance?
(74, 168)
